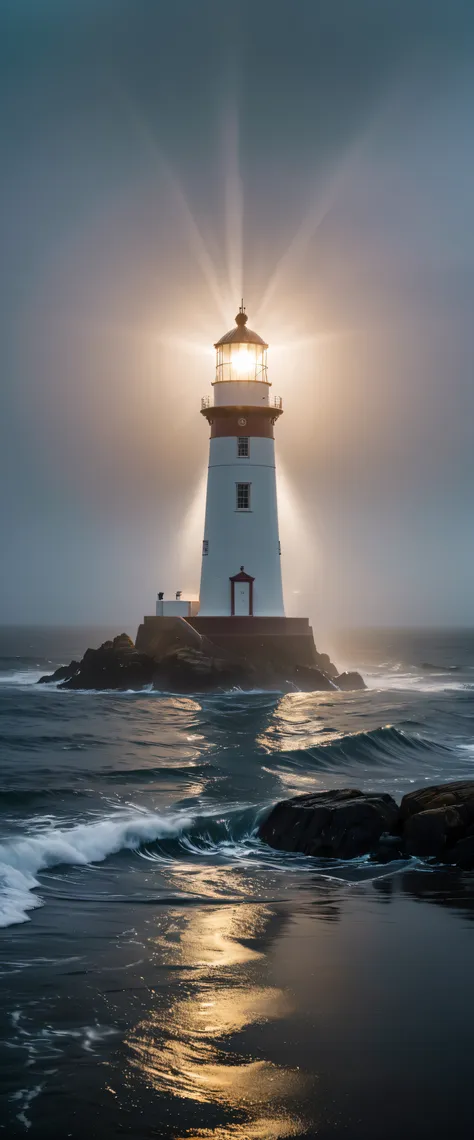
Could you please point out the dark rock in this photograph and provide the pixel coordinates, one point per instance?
(61, 674)
(189, 670)
(349, 682)
(436, 819)
(342, 823)
(310, 680)
(180, 659)
(324, 663)
(389, 847)
(114, 665)
(453, 794)
(431, 832)
(436, 822)
(123, 644)
(462, 854)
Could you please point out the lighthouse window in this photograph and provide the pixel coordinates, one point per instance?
(243, 496)
(242, 446)
(205, 546)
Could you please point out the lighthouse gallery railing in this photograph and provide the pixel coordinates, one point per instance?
(274, 402)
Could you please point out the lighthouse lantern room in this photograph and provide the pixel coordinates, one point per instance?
(241, 566)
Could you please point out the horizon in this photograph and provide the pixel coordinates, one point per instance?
(118, 627)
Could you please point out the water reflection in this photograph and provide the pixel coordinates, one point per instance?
(443, 886)
(302, 721)
(295, 723)
(184, 1049)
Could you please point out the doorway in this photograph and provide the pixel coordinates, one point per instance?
(242, 599)
(241, 594)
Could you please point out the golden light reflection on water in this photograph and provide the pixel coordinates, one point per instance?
(262, 1129)
(182, 704)
(211, 881)
(214, 938)
(295, 724)
(185, 1049)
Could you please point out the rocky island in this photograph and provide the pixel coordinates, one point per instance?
(181, 660)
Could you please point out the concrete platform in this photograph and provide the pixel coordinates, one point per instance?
(274, 640)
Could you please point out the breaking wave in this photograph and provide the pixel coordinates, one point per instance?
(21, 860)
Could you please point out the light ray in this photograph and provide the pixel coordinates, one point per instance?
(190, 347)
(195, 237)
(325, 201)
(190, 540)
(301, 560)
(234, 206)
(318, 211)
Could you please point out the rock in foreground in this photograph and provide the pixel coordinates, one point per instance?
(433, 822)
(339, 824)
(439, 821)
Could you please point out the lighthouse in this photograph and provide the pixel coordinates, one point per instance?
(241, 552)
(240, 612)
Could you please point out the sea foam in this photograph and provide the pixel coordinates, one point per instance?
(22, 859)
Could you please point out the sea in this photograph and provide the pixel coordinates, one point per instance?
(165, 974)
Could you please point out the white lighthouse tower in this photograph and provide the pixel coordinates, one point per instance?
(241, 564)
(240, 612)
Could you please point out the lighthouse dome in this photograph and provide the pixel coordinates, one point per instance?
(241, 334)
(241, 354)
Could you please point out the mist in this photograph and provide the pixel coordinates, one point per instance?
(159, 162)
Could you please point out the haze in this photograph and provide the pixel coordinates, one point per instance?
(158, 161)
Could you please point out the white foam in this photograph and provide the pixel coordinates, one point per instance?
(30, 677)
(469, 748)
(412, 682)
(22, 677)
(22, 859)
(25, 1097)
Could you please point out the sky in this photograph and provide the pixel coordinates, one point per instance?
(159, 161)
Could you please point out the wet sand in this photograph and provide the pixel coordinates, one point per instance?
(344, 1009)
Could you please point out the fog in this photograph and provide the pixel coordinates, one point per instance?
(159, 161)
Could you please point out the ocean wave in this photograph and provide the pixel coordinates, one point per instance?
(186, 834)
(156, 772)
(67, 742)
(22, 796)
(152, 835)
(22, 859)
(381, 747)
(22, 677)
